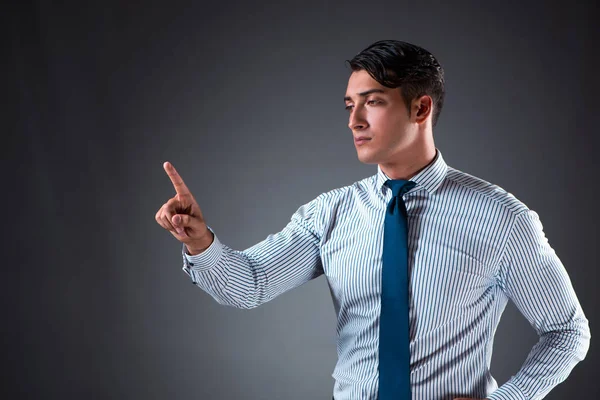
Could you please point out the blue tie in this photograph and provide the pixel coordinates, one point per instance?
(394, 350)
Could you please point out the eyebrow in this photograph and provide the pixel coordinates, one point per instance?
(365, 93)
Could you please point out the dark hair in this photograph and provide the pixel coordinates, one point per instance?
(413, 69)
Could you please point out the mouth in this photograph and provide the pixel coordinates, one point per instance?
(361, 140)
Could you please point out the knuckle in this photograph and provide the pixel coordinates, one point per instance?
(172, 203)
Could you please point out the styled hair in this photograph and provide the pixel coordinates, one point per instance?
(397, 64)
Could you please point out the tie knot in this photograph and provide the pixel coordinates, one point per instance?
(399, 186)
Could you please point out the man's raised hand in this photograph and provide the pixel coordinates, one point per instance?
(182, 216)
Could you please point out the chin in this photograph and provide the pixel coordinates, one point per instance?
(367, 160)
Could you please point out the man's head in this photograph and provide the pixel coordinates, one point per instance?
(396, 64)
(394, 95)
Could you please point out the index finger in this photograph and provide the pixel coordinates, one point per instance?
(178, 183)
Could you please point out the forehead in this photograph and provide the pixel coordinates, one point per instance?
(361, 81)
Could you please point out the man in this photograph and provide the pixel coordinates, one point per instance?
(470, 247)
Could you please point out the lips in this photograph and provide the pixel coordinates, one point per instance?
(361, 139)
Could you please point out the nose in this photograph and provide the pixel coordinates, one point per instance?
(357, 121)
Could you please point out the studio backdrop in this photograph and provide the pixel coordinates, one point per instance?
(245, 99)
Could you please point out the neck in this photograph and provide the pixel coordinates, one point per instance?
(410, 162)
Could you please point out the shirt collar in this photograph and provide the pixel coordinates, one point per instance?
(429, 178)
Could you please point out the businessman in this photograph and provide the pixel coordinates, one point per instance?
(421, 258)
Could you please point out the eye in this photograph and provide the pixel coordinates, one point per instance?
(348, 107)
(373, 102)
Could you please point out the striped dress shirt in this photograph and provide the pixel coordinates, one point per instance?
(472, 246)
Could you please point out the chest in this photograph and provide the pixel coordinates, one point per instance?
(450, 254)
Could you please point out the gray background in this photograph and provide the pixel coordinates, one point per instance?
(246, 101)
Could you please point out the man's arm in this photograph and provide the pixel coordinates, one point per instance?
(533, 277)
(249, 278)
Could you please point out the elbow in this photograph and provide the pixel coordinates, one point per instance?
(236, 303)
(585, 337)
(240, 301)
(572, 339)
(582, 336)
(575, 339)
(239, 306)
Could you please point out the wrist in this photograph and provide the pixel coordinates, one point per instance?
(201, 245)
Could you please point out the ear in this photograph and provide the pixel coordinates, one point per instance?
(422, 108)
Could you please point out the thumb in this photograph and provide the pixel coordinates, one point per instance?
(189, 226)
(176, 220)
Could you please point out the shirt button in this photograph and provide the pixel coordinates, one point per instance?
(192, 264)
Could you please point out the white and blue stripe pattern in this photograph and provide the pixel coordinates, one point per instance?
(472, 247)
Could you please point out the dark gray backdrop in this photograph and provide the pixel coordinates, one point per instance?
(246, 101)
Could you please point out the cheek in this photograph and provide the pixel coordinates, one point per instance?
(387, 121)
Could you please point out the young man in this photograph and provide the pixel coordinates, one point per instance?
(466, 246)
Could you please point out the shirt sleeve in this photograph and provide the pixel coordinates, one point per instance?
(246, 279)
(533, 277)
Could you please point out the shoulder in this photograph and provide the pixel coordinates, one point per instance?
(343, 193)
(480, 190)
(324, 208)
(336, 197)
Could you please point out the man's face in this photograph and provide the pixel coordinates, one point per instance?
(380, 114)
